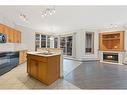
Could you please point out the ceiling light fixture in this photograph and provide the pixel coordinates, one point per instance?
(23, 17)
(48, 11)
(113, 26)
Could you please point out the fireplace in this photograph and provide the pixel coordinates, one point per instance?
(110, 57)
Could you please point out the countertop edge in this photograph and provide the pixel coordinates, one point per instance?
(43, 55)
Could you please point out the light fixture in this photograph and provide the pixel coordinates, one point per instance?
(48, 11)
(112, 26)
(51, 38)
(23, 17)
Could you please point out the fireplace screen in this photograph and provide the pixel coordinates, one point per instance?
(110, 57)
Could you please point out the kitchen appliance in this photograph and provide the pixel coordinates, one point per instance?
(8, 60)
(2, 38)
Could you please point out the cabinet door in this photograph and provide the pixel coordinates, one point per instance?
(6, 31)
(42, 71)
(25, 55)
(33, 68)
(11, 35)
(22, 56)
(18, 37)
(15, 36)
(1, 28)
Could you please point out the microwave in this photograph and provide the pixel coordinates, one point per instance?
(3, 38)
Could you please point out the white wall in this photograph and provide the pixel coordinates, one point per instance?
(27, 36)
(80, 45)
(7, 22)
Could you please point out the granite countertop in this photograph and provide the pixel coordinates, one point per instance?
(43, 54)
(12, 51)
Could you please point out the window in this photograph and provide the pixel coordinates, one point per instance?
(55, 42)
(48, 41)
(42, 41)
(69, 45)
(66, 44)
(63, 44)
(89, 42)
(37, 41)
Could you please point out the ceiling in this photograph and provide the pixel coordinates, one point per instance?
(66, 18)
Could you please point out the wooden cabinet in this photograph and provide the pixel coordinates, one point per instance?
(18, 37)
(22, 56)
(45, 69)
(111, 41)
(13, 36)
(10, 35)
(1, 28)
(41, 71)
(34, 68)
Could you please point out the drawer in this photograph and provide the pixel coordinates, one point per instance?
(38, 58)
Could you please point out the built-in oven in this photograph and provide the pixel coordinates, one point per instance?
(8, 60)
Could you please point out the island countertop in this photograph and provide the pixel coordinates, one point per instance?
(43, 54)
(45, 68)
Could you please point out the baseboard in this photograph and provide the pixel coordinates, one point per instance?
(82, 60)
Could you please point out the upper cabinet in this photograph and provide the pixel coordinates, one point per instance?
(1, 28)
(13, 36)
(112, 41)
(10, 35)
(15, 33)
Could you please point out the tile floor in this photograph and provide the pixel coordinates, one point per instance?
(17, 78)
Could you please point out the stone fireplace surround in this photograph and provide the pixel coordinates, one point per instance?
(121, 56)
(110, 57)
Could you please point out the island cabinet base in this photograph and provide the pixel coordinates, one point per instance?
(45, 69)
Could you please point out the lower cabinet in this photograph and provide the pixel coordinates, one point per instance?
(45, 69)
(42, 71)
(22, 56)
(34, 68)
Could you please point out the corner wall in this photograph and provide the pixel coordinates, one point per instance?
(27, 36)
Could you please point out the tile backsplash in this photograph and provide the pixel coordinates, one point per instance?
(12, 47)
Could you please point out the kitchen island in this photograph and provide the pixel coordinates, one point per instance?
(43, 67)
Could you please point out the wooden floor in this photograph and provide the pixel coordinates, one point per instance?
(96, 75)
